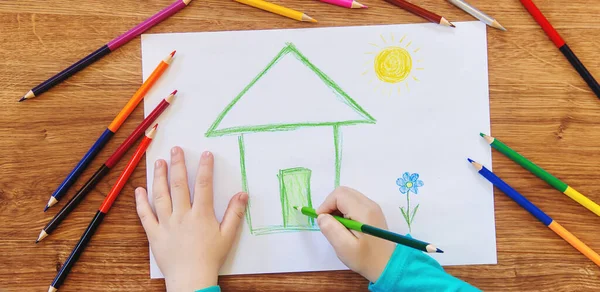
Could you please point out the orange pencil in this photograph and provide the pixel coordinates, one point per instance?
(110, 131)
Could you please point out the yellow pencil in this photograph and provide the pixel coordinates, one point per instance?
(273, 8)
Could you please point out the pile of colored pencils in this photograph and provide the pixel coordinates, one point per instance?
(529, 206)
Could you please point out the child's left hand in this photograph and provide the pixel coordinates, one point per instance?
(186, 239)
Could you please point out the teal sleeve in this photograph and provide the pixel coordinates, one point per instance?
(412, 270)
(210, 289)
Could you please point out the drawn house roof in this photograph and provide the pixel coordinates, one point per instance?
(289, 93)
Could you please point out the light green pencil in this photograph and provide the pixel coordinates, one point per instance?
(377, 232)
(541, 173)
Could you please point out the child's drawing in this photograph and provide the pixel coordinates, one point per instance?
(394, 63)
(294, 183)
(409, 183)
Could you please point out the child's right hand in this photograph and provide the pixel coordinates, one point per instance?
(364, 254)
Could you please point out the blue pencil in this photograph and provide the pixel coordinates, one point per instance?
(537, 212)
(79, 168)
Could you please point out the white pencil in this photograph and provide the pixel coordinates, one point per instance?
(468, 8)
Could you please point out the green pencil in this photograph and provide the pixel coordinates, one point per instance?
(541, 173)
(377, 232)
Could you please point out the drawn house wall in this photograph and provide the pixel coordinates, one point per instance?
(280, 122)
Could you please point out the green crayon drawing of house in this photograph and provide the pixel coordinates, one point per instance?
(288, 111)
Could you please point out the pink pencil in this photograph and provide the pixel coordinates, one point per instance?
(106, 49)
(345, 3)
(148, 23)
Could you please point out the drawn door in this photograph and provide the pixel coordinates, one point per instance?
(294, 190)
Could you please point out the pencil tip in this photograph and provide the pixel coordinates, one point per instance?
(482, 135)
(364, 6)
(46, 208)
(295, 207)
(22, 99)
(439, 250)
(470, 160)
(174, 92)
(36, 242)
(313, 20)
(452, 25)
(173, 53)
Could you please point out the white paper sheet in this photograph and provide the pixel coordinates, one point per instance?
(421, 113)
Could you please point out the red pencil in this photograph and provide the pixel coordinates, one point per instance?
(421, 12)
(104, 208)
(562, 45)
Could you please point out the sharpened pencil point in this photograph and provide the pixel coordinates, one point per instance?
(470, 160)
(46, 208)
(439, 251)
(43, 235)
(174, 92)
(482, 135)
(295, 207)
(173, 53)
(22, 99)
(452, 24)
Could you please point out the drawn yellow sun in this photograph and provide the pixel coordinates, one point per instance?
(394, 63)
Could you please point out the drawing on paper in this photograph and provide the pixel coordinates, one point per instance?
(409, 183)
(294, 183)
(394, 63)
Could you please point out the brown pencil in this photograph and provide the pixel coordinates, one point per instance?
(412, 8)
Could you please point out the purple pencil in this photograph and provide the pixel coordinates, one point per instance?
(106, 49)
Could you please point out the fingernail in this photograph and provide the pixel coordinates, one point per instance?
(158, 163)
(175, 150)
(138, 192)
(206, 154)
(320, 218)
(243, 197)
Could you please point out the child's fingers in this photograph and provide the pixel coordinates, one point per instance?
(342, 240)
(234, 215)
(144, 211)
(342, 199)
(203, 194)
(160, 191)
(180, 191)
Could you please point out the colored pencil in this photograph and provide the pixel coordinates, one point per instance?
(541, 173)
(106, 167)
(110, 131)
(106, 49)
(274, 8)
(468, 8)
(561, 45)
(537, 213)
(345, 3)
(377, 232)
(102, 211)
(419, 11)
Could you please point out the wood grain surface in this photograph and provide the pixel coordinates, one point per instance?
(539, 106)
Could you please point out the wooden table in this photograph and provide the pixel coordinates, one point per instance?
(539, 105)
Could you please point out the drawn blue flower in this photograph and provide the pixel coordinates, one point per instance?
(409, 182)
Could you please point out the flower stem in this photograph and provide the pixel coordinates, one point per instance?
(408, 210)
